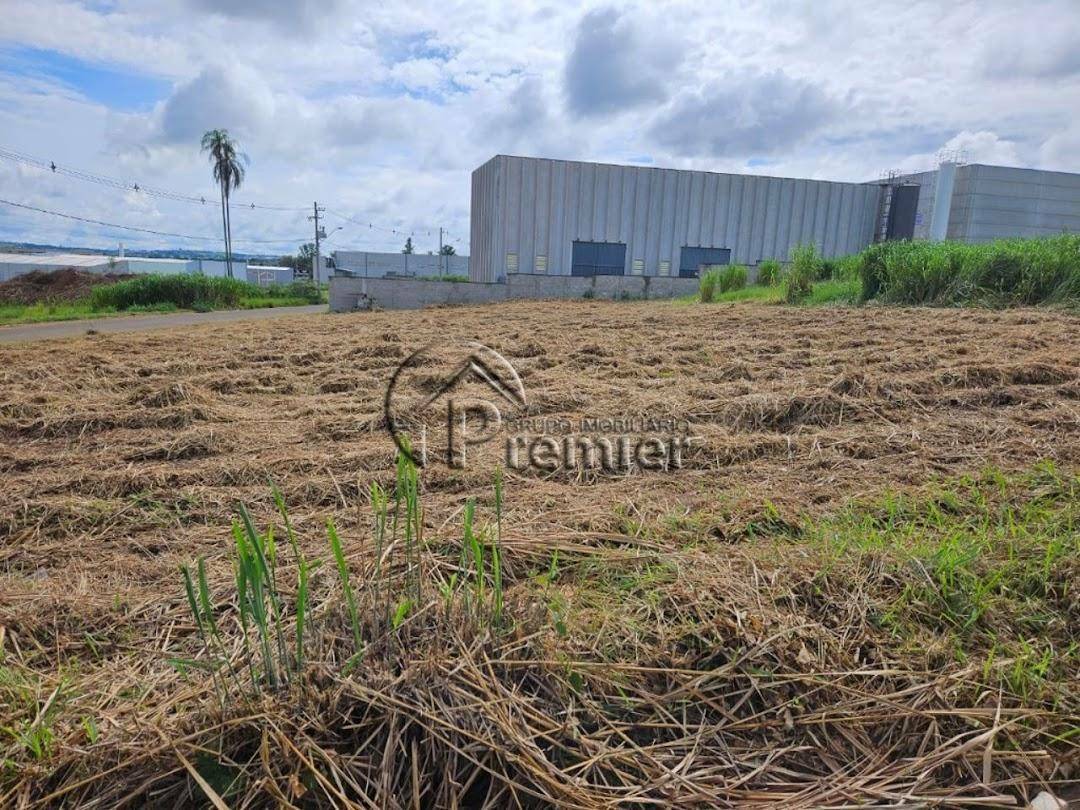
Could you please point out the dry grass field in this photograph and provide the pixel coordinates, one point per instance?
(860, 588)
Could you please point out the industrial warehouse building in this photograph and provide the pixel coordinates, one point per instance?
(555, 217)
(980, 203)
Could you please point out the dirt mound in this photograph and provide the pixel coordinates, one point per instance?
(69, 284)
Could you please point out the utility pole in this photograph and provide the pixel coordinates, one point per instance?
(440, 252)
(319, 233)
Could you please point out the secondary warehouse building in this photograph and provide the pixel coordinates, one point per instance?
(555, 217)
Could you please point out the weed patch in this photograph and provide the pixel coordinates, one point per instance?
(769, 273)
(986, 564)
(806, 267)
(1007, 272)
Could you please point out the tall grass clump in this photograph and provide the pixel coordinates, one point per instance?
(846, 268)
(302, 290)
(732, 277)
(769, 273)
(806, 267)
(720, 280)
(262, 635)
(193, 291)
(1007, 272)
(707, 287)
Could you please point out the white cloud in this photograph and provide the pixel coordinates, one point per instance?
(984, 147)
(382, 110)
(744, 113)
(291, 17)
(225, 96)
(1036, 45)
(1061, 151)
(615, 65)
(418, 74)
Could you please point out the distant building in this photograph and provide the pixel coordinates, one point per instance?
(401, 265)
(266, 274)
(16, 264)
(557, 217)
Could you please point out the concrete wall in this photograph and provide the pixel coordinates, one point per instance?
(531, 210)
(530, 285)
(347, 294)
(420, 265)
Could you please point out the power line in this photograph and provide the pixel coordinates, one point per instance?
(399, 232)
(368, 225)
(145, 230)
(123, 185)
(154, 191)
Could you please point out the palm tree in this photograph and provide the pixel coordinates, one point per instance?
(228, 163)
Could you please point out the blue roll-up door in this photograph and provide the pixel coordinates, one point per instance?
(598, 259)
(692, 259)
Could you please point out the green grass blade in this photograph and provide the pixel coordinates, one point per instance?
(346, 586)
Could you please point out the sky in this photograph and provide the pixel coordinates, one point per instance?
(381, 110)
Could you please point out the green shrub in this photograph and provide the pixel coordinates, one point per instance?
(769, 273)
(182, 291)
(805, 268)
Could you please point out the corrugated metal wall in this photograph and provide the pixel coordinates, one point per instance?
(995, 202)
(484, 221)
(530, 211)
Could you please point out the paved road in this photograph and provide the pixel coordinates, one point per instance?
(142, 323)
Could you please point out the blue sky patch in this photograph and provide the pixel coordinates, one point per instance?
(423, 45)
(116, 88)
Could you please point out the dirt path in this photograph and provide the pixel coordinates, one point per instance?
(143, 323)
